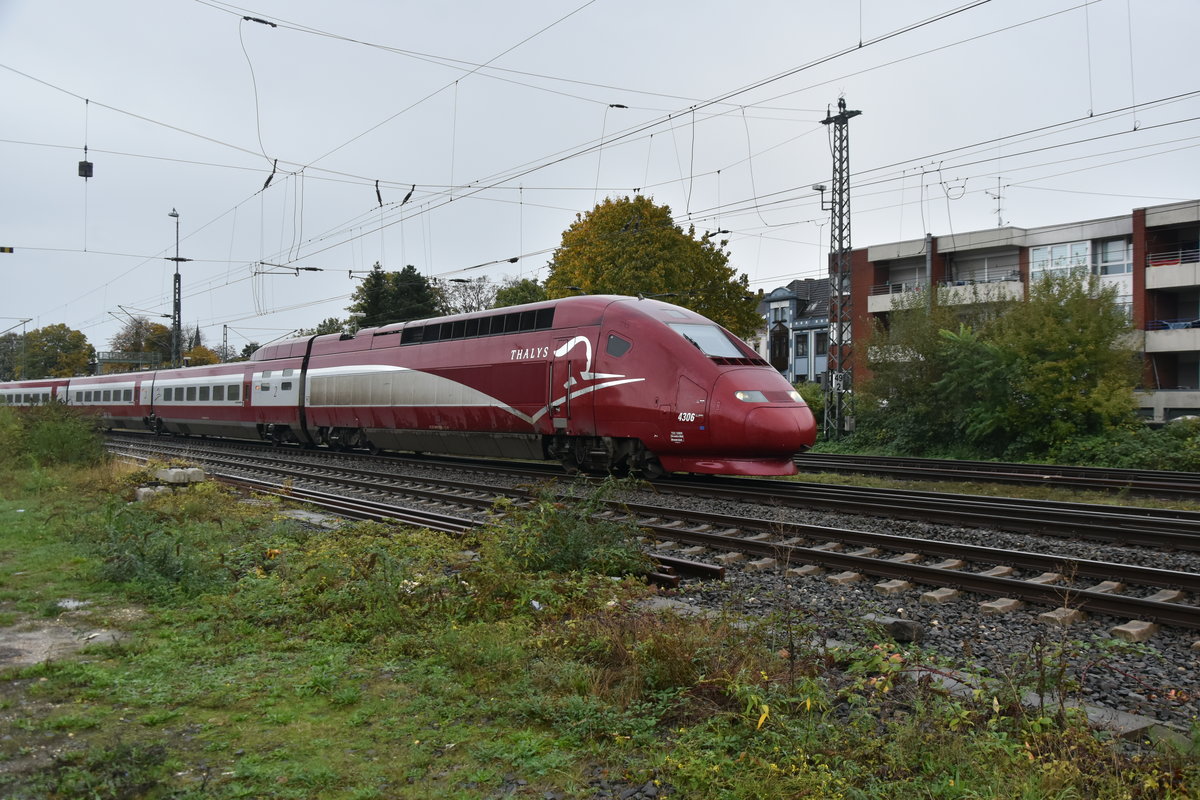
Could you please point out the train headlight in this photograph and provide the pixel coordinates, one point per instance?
(792, 393)
(750, 396)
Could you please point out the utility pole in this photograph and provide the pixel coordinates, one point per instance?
(839, 362)
(176, 310)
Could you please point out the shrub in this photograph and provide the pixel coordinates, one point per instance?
(556, 534)
(50, 435)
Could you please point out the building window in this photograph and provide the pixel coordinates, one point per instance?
(1114, 257)
(801, 345)
(821, 343)
(1059, 259)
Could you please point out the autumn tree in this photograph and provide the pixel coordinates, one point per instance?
(634, 247)
(518, 291)
(56, 351)
(140, 335)
(199, 356)
(386, 297)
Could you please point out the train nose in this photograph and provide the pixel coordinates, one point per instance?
(781, 429)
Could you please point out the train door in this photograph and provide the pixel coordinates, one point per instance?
(570, 372)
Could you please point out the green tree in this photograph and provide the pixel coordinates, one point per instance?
(464, 295)
(1001, 378)
(326, 326)
(1074, 366)
(56, 351)
(386, 297)
(10, 356)
(634, 247)
(518, 291)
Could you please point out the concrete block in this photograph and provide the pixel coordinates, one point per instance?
(665, 544)
(694, 550)
(940, 596)
(1002, 605)
(951, 563)
(1135, 631)
(998, 572)
(866, 552)
(1107, 587)
(762, 564)
(1047, 578)
(1166, 596)
(144, 493)
(893, 586)
(807, 571)
(843, 578)
(902, 630)
(830, 547)
(759, 537)
(906, 558)
(1062, 616)
(729, 558)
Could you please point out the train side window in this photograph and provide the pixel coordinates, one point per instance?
(234, 392)
(191, 394)
(87, 397)
(264, 387)
(286, 386)
(266, 373)
(127, 395)
(79, 397)
(287, 373)
(106, 396)
(218, 394)
(203, 394)
(617, 346)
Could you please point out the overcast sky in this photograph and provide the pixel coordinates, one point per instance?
(510, 118)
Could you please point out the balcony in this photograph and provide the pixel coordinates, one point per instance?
(1173, 269)
(958, 293)
(1164, 405)
(1172, 335)
(882, 295)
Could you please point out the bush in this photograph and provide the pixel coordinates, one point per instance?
(50, 435)
(556, 534)
(1173, 447)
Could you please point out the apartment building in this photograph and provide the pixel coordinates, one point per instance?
(1151, 256)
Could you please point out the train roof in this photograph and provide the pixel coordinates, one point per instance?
(566, 312)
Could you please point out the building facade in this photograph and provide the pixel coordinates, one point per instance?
(795, 338)
(1151, 256)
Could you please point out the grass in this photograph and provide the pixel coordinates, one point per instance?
(262, 658)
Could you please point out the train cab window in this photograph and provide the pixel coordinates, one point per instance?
(616, 346)
(106, 396)
(286, 386)
(709, 339)
(218, 393)
(191, 394)
(127, 395)
(234, 392)
(203, 394)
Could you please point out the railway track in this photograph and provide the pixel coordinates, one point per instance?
(1158, 483)
(1114, 589)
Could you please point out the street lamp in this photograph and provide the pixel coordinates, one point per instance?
(176, 312)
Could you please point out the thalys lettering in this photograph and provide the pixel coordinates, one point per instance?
(522, 354)
(498, 397)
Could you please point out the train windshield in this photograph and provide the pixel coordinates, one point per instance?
(709, 339)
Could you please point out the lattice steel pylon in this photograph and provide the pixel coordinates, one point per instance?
(840, 355)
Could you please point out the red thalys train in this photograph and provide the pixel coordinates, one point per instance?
(600, 383)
